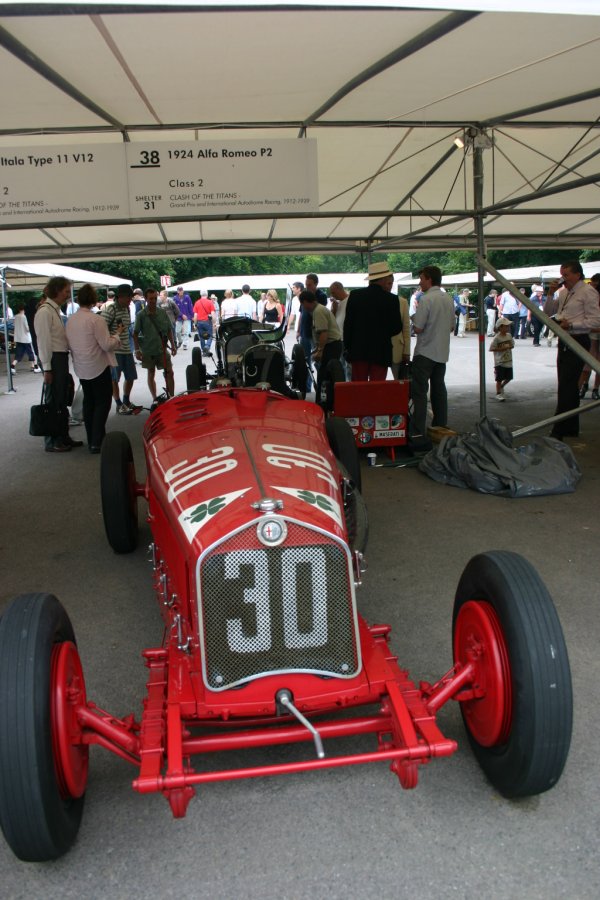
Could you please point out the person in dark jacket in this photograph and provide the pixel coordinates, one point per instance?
(372, 319)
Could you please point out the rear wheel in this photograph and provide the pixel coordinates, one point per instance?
(117, 487)
(299, 370)
(196, 356)
(43, 767)
(192, 377)
(333, 374)
(519, 714)
(341, 441)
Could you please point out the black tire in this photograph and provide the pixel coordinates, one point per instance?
(341, 441)
(196, 356)
(529, 754)
(334, 373)
(299, 370)
(38, 823)
(192, 377)
(117, 487)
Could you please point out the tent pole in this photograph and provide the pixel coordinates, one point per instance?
(11, 387)
(481, 255)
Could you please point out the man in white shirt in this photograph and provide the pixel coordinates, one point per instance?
(339, 301)
(245, 304)
(578, 314)
(433, 324)
(53, 351)
(509, 308)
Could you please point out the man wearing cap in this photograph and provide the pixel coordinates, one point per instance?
(433, 324)
(114, 313)
(372, 319)
(183, 326)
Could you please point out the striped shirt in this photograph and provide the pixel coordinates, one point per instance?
(113, 313)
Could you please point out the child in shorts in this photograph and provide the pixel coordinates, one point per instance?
(501, 346)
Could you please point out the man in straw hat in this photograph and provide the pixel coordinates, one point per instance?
(372, 319)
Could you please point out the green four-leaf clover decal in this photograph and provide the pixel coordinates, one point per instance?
(207, 509)
(316, 500)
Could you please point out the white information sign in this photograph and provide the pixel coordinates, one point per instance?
(56, 184)
(216, 178)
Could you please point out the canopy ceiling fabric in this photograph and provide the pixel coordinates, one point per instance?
(384, 88)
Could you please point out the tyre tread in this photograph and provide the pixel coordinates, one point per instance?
(532, 761)
(37, 823)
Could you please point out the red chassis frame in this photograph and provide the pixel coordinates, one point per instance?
(162, 744)
(182, 717)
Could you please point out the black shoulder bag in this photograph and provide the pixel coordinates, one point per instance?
(45, 420)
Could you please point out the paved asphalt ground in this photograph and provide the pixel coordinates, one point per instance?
(345, 833)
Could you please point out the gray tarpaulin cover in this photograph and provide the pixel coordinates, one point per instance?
(487, 461)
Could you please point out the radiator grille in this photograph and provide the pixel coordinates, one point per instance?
(276, 609)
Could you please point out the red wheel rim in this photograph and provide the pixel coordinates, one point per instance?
(479, 640)
(67, 697)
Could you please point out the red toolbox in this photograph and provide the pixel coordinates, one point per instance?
(377, 411)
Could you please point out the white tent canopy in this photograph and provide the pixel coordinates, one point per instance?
(522, 275)
(388, 89)
(33, 276)
(281, 282)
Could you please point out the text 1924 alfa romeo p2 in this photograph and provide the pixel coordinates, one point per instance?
(258, 539)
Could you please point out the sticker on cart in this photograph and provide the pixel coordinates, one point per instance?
(382, 422)
(364, 437)
(353, 422)
(397, 421)
(386, 435)
(367, 422)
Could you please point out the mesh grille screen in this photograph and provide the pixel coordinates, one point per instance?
(268, 609)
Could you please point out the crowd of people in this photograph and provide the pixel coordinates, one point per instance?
(366, 331)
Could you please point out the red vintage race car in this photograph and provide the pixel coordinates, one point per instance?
(259, 532)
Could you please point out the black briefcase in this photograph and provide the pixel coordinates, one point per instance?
(45, 419)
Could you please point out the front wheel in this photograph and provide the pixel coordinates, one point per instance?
(43, 767)
(519, 712)
(117, 487)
